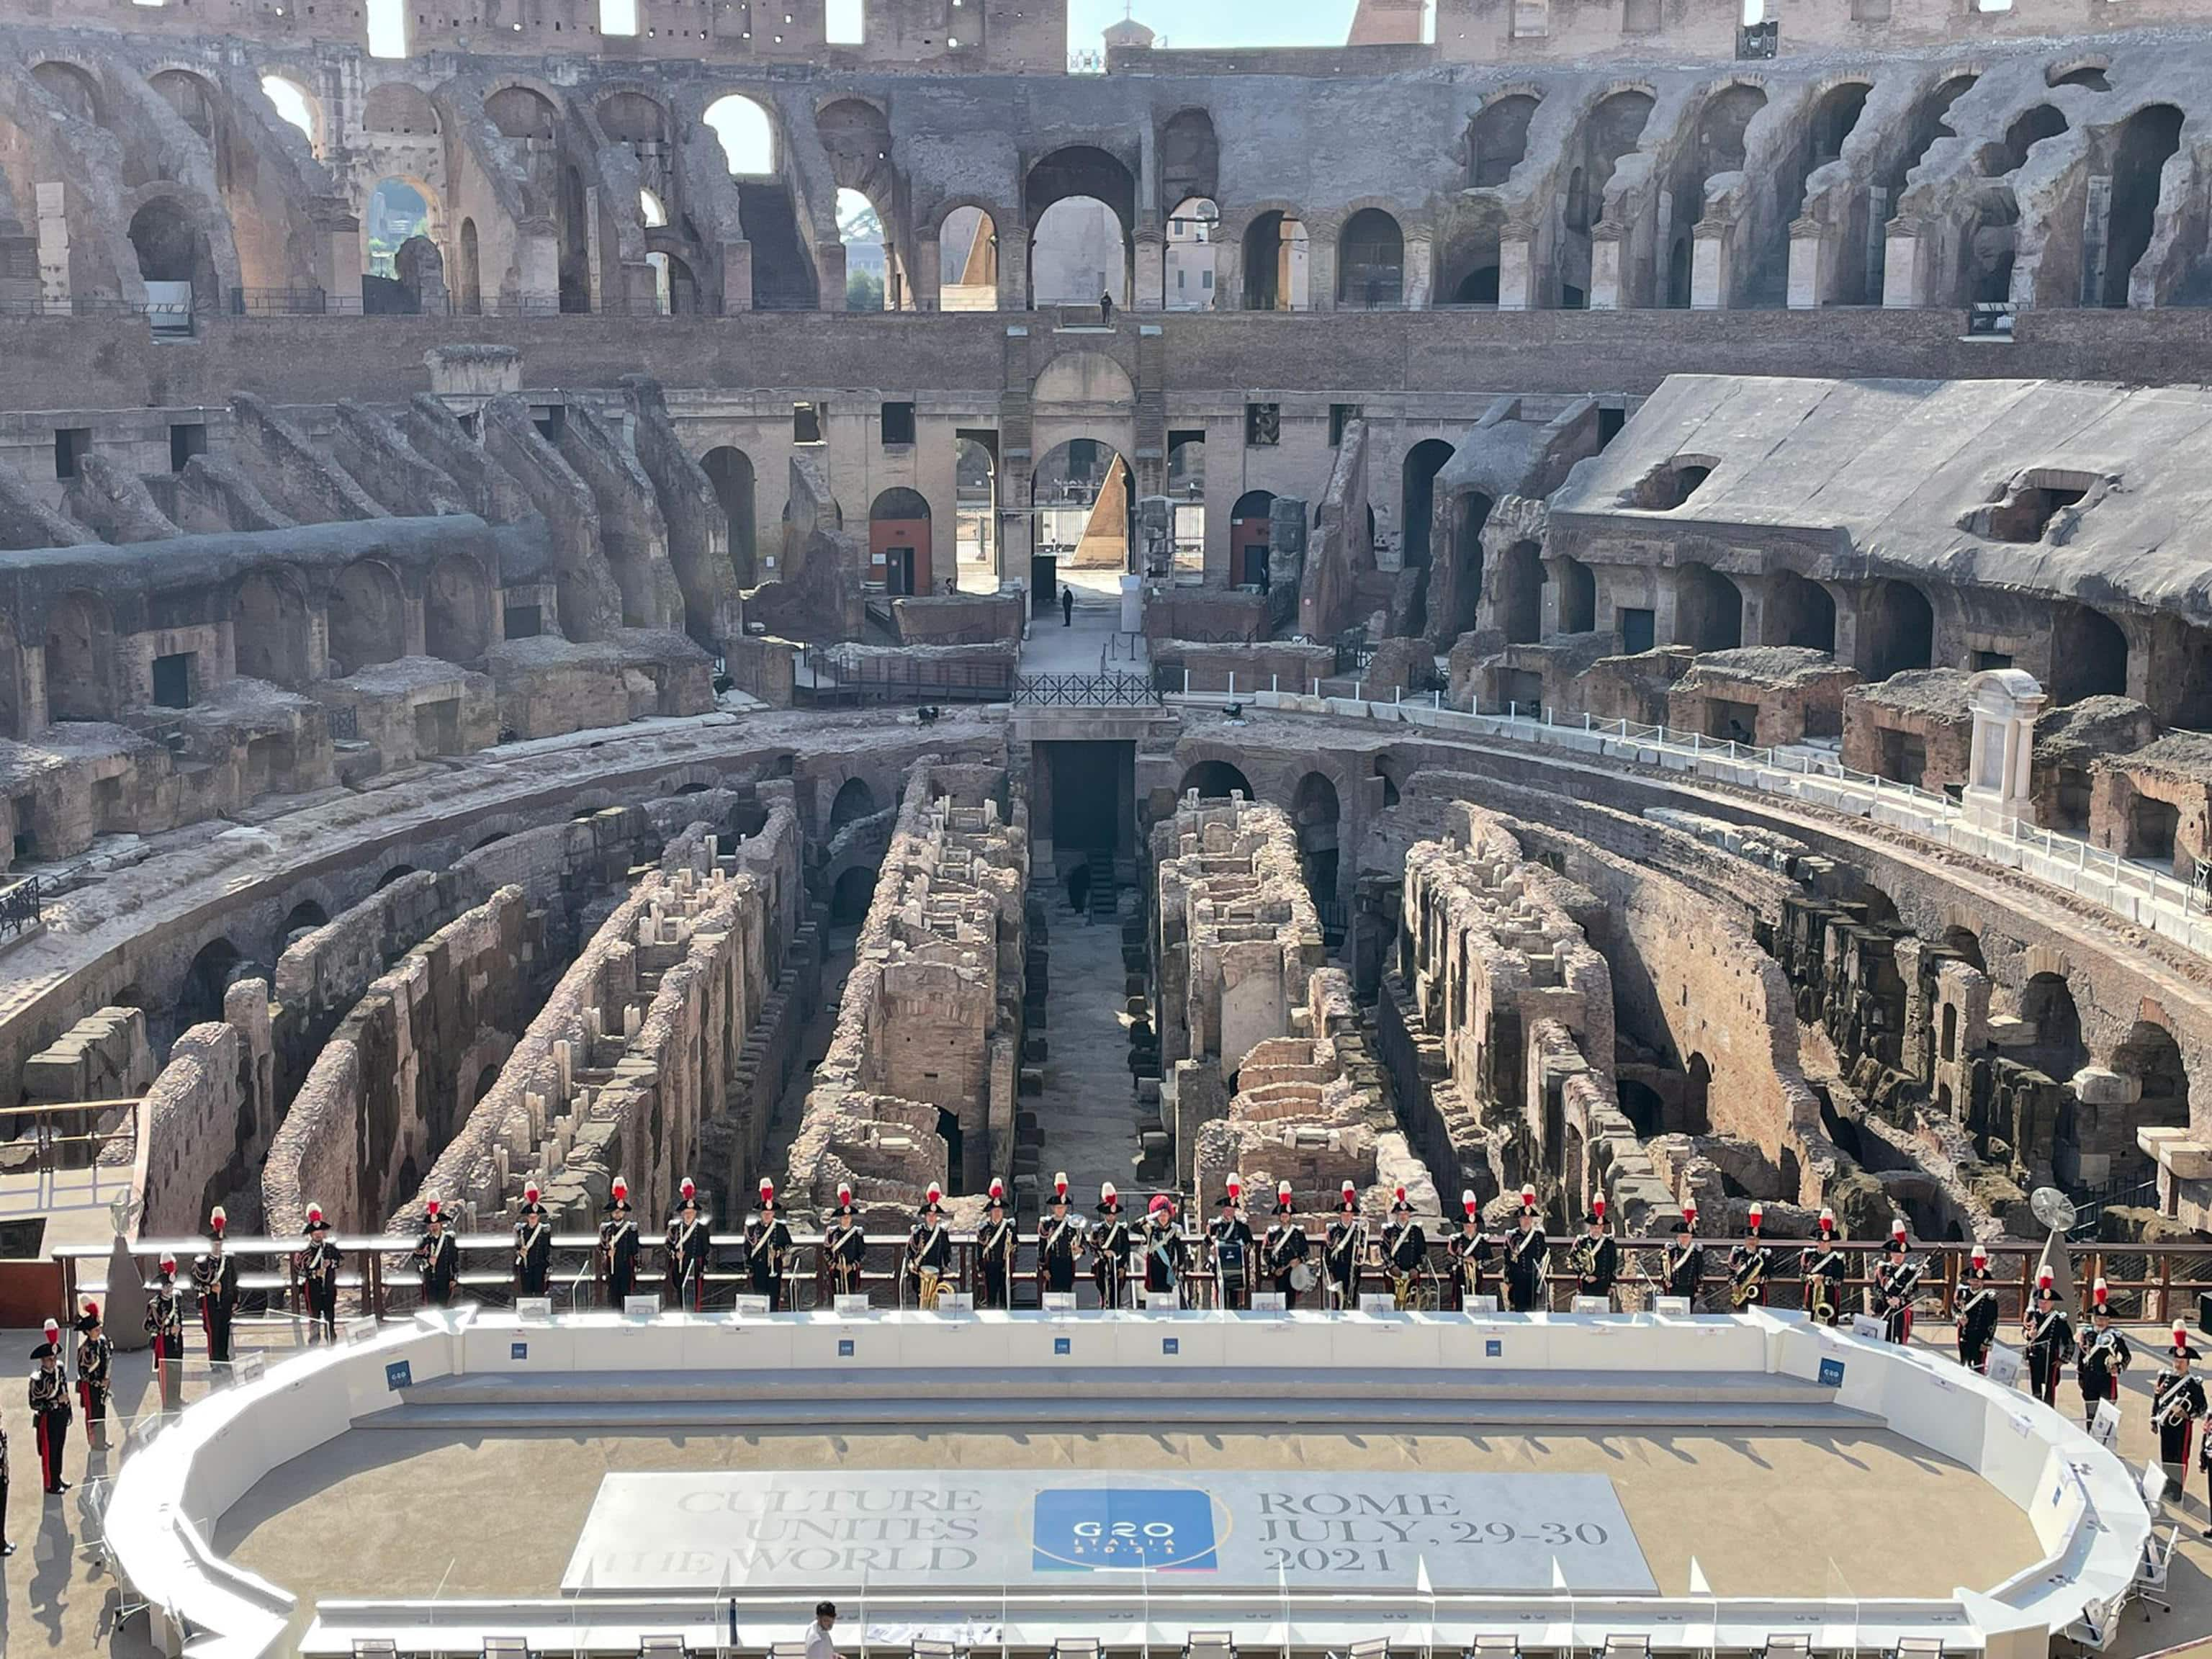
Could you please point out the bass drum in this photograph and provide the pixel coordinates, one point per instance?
(1303, 1277)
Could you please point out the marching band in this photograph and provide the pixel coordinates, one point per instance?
(1241, 1265)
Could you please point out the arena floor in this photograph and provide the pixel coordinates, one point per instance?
(1770, 1512)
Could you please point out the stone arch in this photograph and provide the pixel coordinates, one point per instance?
(1187, 268)
(899, 532)
(1929, 121)
(2047, 1007)
(80, 660)
(295, 107)
(854, 800)
(1715, 146)
(1896, 625)
(365, 617)
(517, 111)
(457, 610)
(1317, 813)
(2148, 140)
(1250, 540)
(271, 628)
(1071, 247)
(1417, 482)
(1466, 571)
(218, 965)
(850, 895)
(397, 872)
(730, 470)
(967, 258)
(630, 115)
(1471, 266)
(1371, 261)
(2149, 1054)
(397, 108)
(72, 88)
(1577, 596)
(2088, 654)
(1799, 612)
(1520, 599)
(1608, 132)
(193, 97)
(1189, 157)
(1708, 610)
(1084, 380)
(1086, 495)
(303, 919)
(751, 143)
(1277, 256)
(1498, 139)
(400, 207)
(1214, 780)
(173, 247)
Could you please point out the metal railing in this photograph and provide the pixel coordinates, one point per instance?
(2150, 1284)
(22, 907)
(2144, 898)
(1085, 692)
(342, 721)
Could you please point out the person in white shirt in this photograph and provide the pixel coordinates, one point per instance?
(818, 1645)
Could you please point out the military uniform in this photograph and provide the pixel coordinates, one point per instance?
(437, 1259)
(2177, 1401)
(533, 1246)
(50, 1409)
(1229, 1239)
(1683, 1265)
(1344, 1250)
(1406, 1249)
(1167, 1253)
(2050, 1337)
(1897, 1281)
(1283, 1248)
(618, 1245)
(319, 1272)
(1109, 1249)
(6, 1548)
(1527, 1255)
(2100, 1355)
(1825, 1272)
(164, 1323)
(846, 1245)
(1748, 1264)
(689, 1246)
(996, 1242)
(1978, 1313)
(1597, 1263)
(215, 1276)
(928, 1252)
(767, 1248)
(96, 1366)
(1470, 1250)
(1059, 1238)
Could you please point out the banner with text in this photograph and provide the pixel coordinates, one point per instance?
(1040, 1528)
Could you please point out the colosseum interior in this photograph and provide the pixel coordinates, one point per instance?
(1595, 597)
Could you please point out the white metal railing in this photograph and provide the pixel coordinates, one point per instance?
(2150, 898)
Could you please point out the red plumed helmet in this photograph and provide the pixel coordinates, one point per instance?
(767, 1192)
(1060, 1184)
(53, 1330)
(1689, 1208)
(1399, 1194)
(430, 1209)
(2098, 1293)
(2180, 1332)
(1160, 1204)
(844, 1191)
(1349, 1191)
(1283, 1191)
(1597, 1206)
(217, 1221)
(1528, 1197)
(1237, 1186)
(621, 1187)
(314, 1214)
(530, 1192)
(1897, 1227)
(1827, 1221)
(936, 1192)
(998, 1188)
(689, 1190)
(1466, 1200)
(2043, 1280)
(1758, 1213)
(92, 1309)
(168, 1263)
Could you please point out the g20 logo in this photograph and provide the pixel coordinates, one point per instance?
(1103, 1529)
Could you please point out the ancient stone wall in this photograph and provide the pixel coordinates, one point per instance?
(206, 1120)
(928, 1035)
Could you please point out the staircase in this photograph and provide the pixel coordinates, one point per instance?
(783, 270)
(1104, 902)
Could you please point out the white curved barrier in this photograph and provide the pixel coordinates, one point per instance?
(2089, 1516)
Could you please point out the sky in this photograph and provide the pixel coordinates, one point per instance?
(1218, 22)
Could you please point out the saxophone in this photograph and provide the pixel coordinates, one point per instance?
(1581, 1261)
(1744, 1285)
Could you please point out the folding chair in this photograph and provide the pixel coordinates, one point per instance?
(1494, 1647)
(1375, 1647)
(926, 1649)
(1075, 1647)
(1209, 1645)
(505, 1647)
(1788, 1645)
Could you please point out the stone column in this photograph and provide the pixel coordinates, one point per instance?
(1608, 266)
(53, 246)
(829, 273)
(1014, 274)
(1712, 264)
(2004, 703)
(928, 275)
(1420, 275)
(1148, 276)
(1907, 268)
(1516, 272)
(1813, 247)
(1321, 271)
(737, 277)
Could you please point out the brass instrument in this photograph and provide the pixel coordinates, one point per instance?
(1744, 1285)
(1401, 1289)
(930, 1280)
(2176, 1404)
(1582, 1259)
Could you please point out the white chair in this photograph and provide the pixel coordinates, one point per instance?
(1626, 1647)
(1075, 1647)
(1919, 1647)
(922, 1648)
(2150, 1573)
(1375, 1647)
(374, 1647)
(786, 1649)
(505, 1647)
(1494, 1647)
(1788, 1645)
(1209, 1645)
(664, 1647)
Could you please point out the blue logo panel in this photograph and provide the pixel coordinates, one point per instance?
(399, 1373)
(1086, 1529)
(1831, 1373)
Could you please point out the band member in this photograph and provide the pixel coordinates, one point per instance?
(1684, 1261)
(533, 1245)
(6, 1549)
(846, 1244)
(164, 1323)
(1978, 1312)
(1897, 1281)
(767, 1247)
(318, 1274)
(1404, 1250)
(1229, 1237)
(928, 1250)
(50, 1407)
(1596, 1256)
(1109, 1249)
(618, 1245)
(1058, 1242)
(1283, 1252)
(2177, 1401)
(688, 1242)
(1527, 1256)
(2099, 1358)
(1167, 1253)
(215, 1276)
(1825, 1270)
(996, 1242)
(1344, 1250)
(1747, 1263)
(1470, 1252)
(2049, 1337)
(437, 1257)
(95, 1364)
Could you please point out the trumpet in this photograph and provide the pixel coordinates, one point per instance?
(2177, 1411)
